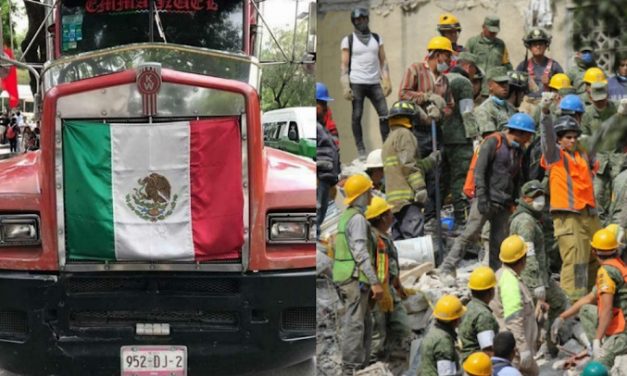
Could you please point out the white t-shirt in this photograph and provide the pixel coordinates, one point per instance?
(364, 65)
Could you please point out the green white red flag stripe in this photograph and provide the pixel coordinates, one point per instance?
(162, 192)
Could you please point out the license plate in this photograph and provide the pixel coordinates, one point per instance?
(153, 360)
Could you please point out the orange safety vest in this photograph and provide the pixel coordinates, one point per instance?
(570, 182)
(617, 325)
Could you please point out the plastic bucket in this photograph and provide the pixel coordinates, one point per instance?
(419, 249)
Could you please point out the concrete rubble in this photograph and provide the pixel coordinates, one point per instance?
(620, 366)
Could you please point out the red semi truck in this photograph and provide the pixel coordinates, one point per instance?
(153, 234)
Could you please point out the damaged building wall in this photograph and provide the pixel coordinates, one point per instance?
(406, 26)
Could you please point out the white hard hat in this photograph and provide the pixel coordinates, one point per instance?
(374, 159)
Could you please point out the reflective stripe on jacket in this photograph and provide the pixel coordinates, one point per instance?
(570, 182)
(617, 325)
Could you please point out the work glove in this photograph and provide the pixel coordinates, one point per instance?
(540, 293)
(421, 195)
(547, 100)
(386, 85)
(434, 112)
(597, 351)
(324, 166)
(622, 107)
(435, 158)
(346, 87)
(483, 205)
(435, 99)
(526, 360)
(555, 328)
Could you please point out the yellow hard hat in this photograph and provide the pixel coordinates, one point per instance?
(560, 81)
(478, 364)
(448, 308)
(604, 240)
(355, 186)
(482, 278)
(377, 206)
(513, 249)
(440, 43)
(448, 22)
(594, 75)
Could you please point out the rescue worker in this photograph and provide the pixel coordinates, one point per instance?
(591, 76)
(449, 27)
(559, 86)
(513, 305)
(539, 67)
(496, 110)
(490, 51)
(479, 326)
(610, 162)
(595, 368)
(583, 60)
(391, 327)
(364, 74)
(458, 131)
(518, 89)
(572, 203)
(504, 352)
(497, 179)
(478, 364)
(438, 356)
(426, 85)
(327, 155)
(527, 222)
(617, 84)
(404, 171)
(610, 297)
(354, 273)
(618, 205)
(324, 114)
(374, 169)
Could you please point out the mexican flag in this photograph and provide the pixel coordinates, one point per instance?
(161, 191)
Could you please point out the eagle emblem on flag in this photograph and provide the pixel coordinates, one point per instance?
(151, 200)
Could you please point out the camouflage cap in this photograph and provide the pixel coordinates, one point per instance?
(467, 56)
(497, 74)
(598, 91)
(493, 23)
(532, 188)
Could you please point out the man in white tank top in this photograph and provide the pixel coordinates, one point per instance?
(365, 74)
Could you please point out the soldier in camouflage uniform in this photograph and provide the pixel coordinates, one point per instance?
(583, 60)
(618, 205)
(527, 222)
(438, 356)
(494, 113)
(610, 297)
(490, 50)
(610, 163)
(477, 83)
(479, 326)
(458, 131)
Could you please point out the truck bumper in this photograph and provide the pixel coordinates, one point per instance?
(75, 323)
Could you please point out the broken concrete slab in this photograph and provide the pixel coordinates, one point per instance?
(409, 277)
(377, 369)
(620, 366)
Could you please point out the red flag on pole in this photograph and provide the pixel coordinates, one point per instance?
(9, 83)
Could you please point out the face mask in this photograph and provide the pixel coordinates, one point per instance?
(538, 203)
(442, 67)
(362, 27)
(499, 101)
(587, 57)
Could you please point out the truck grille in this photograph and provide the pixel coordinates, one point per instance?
(13, 324)
(124, 318)
(209, 286)
(301, 319)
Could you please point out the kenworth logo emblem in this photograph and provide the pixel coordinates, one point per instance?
(148, 83)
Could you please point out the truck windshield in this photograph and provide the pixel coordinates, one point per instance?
(88, 25)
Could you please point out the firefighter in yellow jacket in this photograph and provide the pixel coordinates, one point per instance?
(404, 171)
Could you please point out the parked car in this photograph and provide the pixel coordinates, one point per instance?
(291, 129)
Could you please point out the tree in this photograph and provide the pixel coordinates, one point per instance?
(287, 84)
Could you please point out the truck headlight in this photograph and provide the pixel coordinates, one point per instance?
(19, 229)
(291, 228)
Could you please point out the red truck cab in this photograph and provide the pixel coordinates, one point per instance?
(242, 298)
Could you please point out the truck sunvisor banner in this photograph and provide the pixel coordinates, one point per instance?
(89, 25)
(153, 192)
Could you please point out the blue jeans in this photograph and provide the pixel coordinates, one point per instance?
(375, 94)
(322, 202)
